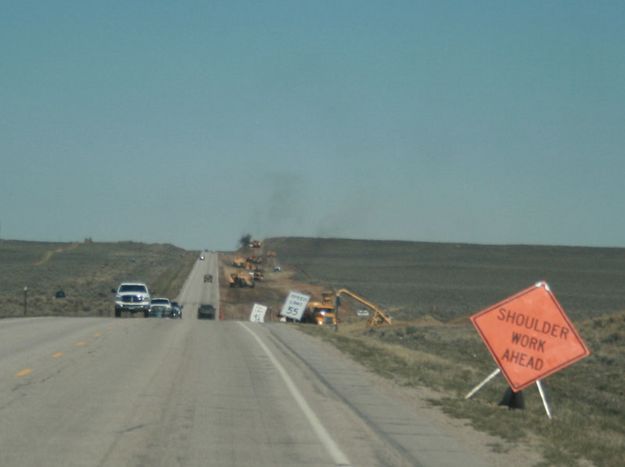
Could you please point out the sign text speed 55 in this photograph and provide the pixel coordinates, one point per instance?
(294, 306)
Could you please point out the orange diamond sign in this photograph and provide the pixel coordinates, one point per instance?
(529, 336)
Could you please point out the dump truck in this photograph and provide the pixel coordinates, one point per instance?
(321, 313)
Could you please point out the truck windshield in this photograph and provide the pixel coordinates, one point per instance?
(132, 288)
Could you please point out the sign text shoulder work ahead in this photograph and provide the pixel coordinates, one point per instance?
(529, 336)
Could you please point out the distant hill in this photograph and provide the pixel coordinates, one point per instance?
(452, 279)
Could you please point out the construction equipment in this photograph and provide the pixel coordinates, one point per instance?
(377, 319)
(254, 259)
(250, 263)
(256, 244)
(241, 280)
(321, 313)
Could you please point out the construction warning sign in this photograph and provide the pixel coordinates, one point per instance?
(529, 336)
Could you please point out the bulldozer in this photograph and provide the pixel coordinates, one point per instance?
(378, 317)
(321, 313)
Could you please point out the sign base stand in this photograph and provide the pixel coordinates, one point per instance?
(495, 373)
(513, 400)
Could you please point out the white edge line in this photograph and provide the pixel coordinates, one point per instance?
(335, 452)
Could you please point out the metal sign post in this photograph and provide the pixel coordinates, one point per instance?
(482, 384)
(25, 300)
(544, 398)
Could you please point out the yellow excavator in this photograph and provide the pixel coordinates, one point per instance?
(378, 317)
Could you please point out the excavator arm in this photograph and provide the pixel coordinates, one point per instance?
(378, 318)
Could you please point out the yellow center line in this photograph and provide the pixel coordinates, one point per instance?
(57, 354)
(23, 372)
(81, 344)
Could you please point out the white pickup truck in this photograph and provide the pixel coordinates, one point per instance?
(133, 297)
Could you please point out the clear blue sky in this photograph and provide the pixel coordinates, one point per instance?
(194, 122)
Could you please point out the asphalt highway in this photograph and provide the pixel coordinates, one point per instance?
(160, 392)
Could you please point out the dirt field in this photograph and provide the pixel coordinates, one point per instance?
(412, 279)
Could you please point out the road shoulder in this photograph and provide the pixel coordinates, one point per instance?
(404, 418)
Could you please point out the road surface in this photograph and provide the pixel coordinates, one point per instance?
(159, 392)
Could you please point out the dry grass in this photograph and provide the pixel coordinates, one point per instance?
(86, 272)
(587, 398)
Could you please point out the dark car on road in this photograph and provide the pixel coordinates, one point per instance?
(176, 311)
(206, 312)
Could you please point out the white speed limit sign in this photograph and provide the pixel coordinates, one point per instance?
(258, 313)
(294, 306)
